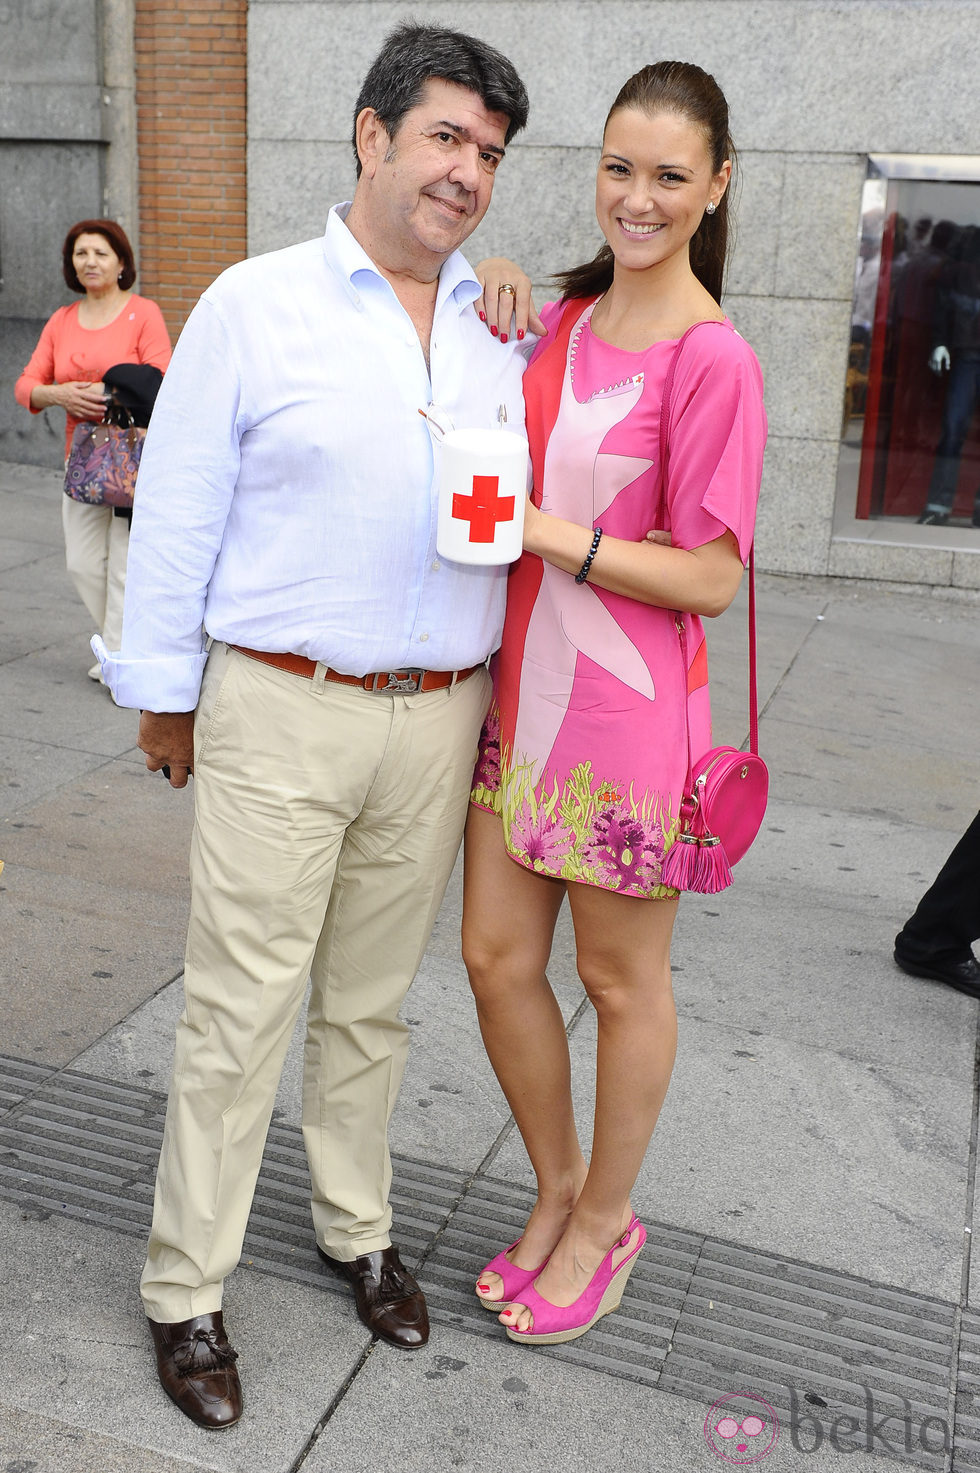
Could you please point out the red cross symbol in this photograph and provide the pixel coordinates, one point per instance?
(484, 509)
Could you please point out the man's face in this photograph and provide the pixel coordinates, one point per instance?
(431, 183)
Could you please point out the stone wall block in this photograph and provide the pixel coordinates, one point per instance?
(867, 559)
(47, 42)
(806, 364)
(757, 213)
(890, 78)
(69, 112)
(795, 506)
(291, 187)
(818, 226)
(966, 568)
(574, 58)
(45, 188)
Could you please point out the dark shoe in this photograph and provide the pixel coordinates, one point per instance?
(964, 976)
(196, 1366)
(388, 1299)
(933, 519)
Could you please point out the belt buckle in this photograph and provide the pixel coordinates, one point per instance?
(400, 682)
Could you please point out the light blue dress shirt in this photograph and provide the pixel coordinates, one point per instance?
(287, 491)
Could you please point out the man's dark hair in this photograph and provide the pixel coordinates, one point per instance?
(413, 54)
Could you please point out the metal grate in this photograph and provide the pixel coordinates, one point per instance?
(18, 1079)
(968, 1396)
(700, 1318)
(819, 1347)
(87, 1148)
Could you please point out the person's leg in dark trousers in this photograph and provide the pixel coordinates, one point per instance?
(936, 941)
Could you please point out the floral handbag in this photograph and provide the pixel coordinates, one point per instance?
(103, 462)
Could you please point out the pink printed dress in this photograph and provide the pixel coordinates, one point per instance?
(583, 754)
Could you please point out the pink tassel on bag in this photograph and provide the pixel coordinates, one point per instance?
(681, 862)
(698, 865)
(713, 873)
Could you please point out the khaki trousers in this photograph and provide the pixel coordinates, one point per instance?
(96, 549)
(327, 822)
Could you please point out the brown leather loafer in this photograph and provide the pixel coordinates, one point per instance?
(196, 1366)
(388, 1299)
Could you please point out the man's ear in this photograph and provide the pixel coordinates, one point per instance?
(372, 140)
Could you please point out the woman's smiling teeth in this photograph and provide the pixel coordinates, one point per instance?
(632, 228)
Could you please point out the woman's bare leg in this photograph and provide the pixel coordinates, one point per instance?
(624, 962)
(509, 917)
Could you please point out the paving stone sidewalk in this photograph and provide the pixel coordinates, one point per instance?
(809, 1195)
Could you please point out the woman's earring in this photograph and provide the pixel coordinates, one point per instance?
(711, 207)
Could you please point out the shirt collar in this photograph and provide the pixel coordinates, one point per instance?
(349, 259)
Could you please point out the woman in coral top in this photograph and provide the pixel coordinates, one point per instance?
(583, 758)
(110, 325)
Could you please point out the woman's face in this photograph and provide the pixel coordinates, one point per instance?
(96, 264)
(654, 184)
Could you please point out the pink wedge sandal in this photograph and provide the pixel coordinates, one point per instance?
(555, 1323)
(515, 1279)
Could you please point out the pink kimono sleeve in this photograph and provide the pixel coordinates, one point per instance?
(716, 438)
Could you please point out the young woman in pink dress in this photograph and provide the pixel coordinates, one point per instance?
(583, 757)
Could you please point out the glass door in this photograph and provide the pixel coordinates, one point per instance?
(912, 393)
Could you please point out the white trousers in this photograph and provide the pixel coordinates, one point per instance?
(96, 548)
(327, 822)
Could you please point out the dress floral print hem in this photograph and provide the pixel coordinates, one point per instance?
(590, 831)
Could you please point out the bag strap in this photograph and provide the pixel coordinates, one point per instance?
(678, 616)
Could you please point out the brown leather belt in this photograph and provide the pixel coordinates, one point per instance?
(385, 682)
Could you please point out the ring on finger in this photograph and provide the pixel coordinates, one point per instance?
(507, 287)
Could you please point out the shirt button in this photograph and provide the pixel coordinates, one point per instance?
(435, 565)
(423, 638)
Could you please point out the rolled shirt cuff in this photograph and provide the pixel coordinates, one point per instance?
(171, 683)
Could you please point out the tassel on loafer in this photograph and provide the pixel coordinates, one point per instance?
(196, 1366)
(389, 1301)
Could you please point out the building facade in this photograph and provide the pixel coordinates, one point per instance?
(825, 95)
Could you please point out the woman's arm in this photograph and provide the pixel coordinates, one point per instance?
(36, 389)
(702, 581)
(501, 311)
(39, 371)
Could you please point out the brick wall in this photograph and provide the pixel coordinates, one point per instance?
(191, 107)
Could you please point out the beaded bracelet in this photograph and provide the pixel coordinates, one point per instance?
(583, 571)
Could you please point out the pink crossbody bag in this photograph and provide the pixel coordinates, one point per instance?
(726, 790)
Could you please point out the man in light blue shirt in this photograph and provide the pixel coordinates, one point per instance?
(292, 636)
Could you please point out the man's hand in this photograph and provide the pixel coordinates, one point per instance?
(167, 738)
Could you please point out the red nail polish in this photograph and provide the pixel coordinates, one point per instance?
(520, 333)
(483, 1286)
(483, 317)
(506, 1313)
(503, 337)
(494, 331)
